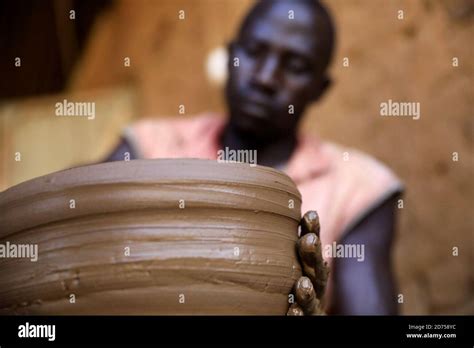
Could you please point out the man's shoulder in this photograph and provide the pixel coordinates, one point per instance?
(359, 166)
(178, 136)
(361, 182)
(201, 120)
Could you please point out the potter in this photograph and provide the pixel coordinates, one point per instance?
(283, 49)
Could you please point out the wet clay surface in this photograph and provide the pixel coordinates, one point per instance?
(152, 237)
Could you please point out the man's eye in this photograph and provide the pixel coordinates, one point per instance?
(252, 48)
(296, 65)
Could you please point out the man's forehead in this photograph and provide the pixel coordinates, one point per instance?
(291, 26)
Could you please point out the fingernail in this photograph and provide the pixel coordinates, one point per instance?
(305, 283)
(295, 312)
(311, 238)
(312, 215)
(311, 222)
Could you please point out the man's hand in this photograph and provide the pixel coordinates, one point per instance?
(309, 289)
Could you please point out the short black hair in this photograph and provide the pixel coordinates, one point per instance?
(323, 15)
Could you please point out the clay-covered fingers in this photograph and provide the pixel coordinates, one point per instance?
(310, 223)
(295, 310)
(314, 266)
(309, 289)
(306, 297)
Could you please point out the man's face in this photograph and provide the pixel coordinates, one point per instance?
(279, 71)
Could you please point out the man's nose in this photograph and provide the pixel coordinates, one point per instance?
(266, 73)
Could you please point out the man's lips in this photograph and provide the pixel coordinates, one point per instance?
(256, 108)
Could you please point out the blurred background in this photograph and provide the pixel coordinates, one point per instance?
(137, 58)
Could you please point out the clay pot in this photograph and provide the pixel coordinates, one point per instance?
(152, 237)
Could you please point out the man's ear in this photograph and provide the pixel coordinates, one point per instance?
(321, 87)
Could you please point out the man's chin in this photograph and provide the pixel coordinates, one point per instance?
(252, 130)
